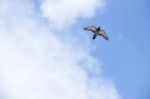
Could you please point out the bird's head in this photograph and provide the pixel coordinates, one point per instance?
(98, 28)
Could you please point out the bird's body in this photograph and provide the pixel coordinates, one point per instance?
(97, 31)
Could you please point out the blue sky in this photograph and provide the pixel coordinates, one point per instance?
(46, 53)
(126, 56)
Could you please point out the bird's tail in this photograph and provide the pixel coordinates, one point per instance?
(94, 36)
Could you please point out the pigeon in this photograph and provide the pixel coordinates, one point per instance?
(97, 31)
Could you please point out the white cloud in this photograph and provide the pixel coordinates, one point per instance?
(36, 64)
(65, 12)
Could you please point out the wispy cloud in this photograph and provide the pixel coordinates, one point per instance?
(65, 12)
(36, 64)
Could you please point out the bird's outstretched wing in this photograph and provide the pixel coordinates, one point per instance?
(90, 28)
(103, 34)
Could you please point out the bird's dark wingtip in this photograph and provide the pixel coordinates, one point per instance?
(84, 28)
(107, 39)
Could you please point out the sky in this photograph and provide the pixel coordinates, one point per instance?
(45, 53)
(127, 60)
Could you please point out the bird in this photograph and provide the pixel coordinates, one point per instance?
(97, 31)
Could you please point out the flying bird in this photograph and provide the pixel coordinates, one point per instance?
(97, 31)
